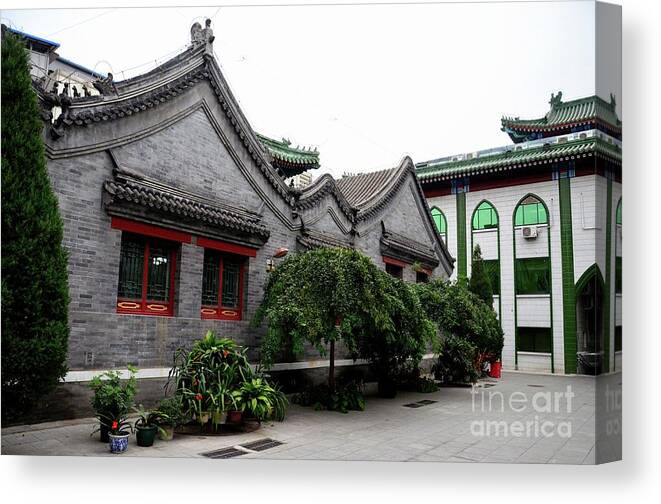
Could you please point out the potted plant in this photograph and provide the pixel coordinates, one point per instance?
(220, 397)
(147, 425)
(112, 398)
(118, 435)
(170, 417)
(253, 399)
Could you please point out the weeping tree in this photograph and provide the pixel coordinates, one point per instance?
(34, 265)
(321, 297)
(479, 283)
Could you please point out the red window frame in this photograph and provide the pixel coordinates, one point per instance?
(144, 306)
(219, 311)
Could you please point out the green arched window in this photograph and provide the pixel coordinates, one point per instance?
(485, 216)
(440, 222)
(530, 211)
(618, 214)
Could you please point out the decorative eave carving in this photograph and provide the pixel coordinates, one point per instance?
(131, 194)
(324, 186)
(407, 249)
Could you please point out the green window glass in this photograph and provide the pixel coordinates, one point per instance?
(485, 217)
(618, 213)
(221, 279)
(530, 211)
(159, 254)
(618, 338)
(618, 275)
(492, 269)
(131, 267)
(533, 339)
(533, 275)
(440, 222)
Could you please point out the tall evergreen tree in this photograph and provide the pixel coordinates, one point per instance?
(480, 284)
(35, 294)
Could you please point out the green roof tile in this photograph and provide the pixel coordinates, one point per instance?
(582, 110)
(282, 152)
(516, 157)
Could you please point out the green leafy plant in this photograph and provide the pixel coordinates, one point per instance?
(215, 376)
(113, 397)
(479, 283)
(150, 418)
(459, 312)
(254, 398)
(35, 295)
(403, 339)
(328, 295)
(344, 398)
(171, 412)
(456, 361)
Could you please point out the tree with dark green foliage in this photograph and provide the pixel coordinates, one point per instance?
(319, 297)
(328, 295)
(479, 283)
(460, 313)
(35, 294)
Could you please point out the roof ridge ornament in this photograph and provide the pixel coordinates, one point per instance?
(202, 36)
(556, 99)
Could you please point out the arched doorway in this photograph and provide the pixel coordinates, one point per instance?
(589, 322)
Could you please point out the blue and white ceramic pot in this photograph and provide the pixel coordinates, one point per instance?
(118, 443)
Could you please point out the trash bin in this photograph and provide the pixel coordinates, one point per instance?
(495, 369)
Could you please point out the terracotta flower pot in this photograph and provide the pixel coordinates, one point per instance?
(234, 416)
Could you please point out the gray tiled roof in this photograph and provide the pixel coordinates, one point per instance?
(360, 189)
(315, 239)
(129, 187)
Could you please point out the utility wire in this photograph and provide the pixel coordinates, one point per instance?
(81, 22)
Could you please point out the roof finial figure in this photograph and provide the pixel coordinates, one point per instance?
(613, 102)
(199, 35)
(556, 99)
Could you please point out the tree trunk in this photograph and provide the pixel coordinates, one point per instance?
(331, 369)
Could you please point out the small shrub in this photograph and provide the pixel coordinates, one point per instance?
(456, 361)
(345, 397)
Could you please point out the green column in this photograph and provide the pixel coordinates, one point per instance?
(461, 236)
(568, 292)
(606, 295)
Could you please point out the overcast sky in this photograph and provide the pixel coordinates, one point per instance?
(366, 84)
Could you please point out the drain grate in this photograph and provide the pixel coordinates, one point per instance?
(534, 385)
(261, 444)
(487, 385)
(224, 453)
(419, 404)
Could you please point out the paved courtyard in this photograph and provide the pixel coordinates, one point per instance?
(522, 418)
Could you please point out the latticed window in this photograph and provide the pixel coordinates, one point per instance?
(441, 223)
(146, 275)
(533, 339)
(533, 275)
(530, 211)
(485, 217)
(222, 285)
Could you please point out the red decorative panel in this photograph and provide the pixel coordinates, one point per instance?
(394, 262)
(149, 230)
(226, 247)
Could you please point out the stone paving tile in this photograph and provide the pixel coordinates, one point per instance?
(386, 431)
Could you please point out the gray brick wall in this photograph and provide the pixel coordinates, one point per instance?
(189, 155)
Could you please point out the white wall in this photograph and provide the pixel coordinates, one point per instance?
(504, 201)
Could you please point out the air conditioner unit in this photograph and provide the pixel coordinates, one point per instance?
(529, 233)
